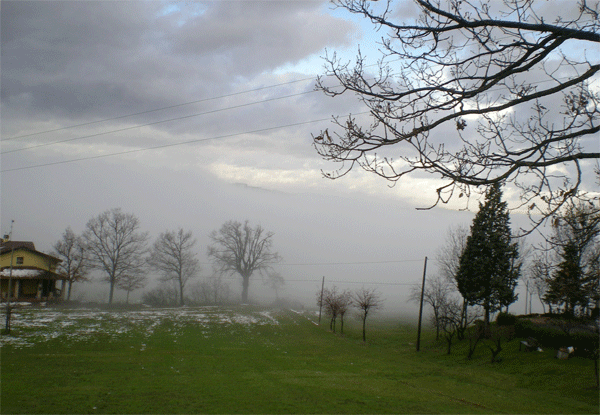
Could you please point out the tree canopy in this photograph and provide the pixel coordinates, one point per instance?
(477, 92)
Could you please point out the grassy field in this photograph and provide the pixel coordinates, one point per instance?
(250, 360)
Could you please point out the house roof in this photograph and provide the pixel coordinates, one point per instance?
(8, 246)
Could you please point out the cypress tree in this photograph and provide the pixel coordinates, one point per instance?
(488, 269)
(566, 287)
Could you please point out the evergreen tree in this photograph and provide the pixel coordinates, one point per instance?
(566, 287)
(489, 268)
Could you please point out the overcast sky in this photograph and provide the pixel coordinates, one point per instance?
(191, 114)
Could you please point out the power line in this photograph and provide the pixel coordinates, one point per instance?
(344, 282)
(174, 119)
(355, 263)
(160, 109)
(137, 150)
(156, 122)
(393, 261)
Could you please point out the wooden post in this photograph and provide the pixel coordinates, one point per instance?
(321, 300)
(12, 254)
(421, 306)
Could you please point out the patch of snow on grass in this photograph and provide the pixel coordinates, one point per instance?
(31, 326)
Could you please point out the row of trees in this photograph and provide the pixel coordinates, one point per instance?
(113, 244)
(337, 303)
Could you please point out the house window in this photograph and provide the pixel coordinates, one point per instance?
(19, 260)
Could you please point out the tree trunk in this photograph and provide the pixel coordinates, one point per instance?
(180, 291)
(486, 318)
(364, 329)
(112, 289)
(245, 284)
(69, 290)
(437, 323)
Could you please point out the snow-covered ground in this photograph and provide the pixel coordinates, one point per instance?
(34, 325)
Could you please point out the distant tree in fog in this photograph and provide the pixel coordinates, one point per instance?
(448, 255)
(161, 296)
(344, 302)
(275, 281)
(437, 293)
(131, 283)
(335, 304)
(172, 254)
(241, 249)
(71, 251)
(116, 246)
(212, 290)
(367, 301)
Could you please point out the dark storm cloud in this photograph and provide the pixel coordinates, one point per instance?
(86, 60)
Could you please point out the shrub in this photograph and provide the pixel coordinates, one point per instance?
(506, 319)
(554, 337)
(161, 296)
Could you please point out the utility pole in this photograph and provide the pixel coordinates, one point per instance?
(321, 300)
(421, 306)
(12, 253)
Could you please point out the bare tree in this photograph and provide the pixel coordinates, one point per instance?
(276, 282)
(162, 296)
(437, 293)
(131, 283)
(172, 255)
(212, 290)
(331, 304)
(116, 246)
(239, 248)
(479, 92)
(448, 255)
(74, 266)
(344, 302)
(450, 319)
(448, 259)
(540, 271)
(366, 300)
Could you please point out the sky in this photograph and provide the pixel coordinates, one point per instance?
(190, 114)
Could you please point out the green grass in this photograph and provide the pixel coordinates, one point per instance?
(216, 361)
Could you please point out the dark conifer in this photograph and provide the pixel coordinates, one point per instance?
(489, 269)
(566, 287)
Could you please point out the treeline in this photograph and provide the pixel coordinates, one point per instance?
(113, 244)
